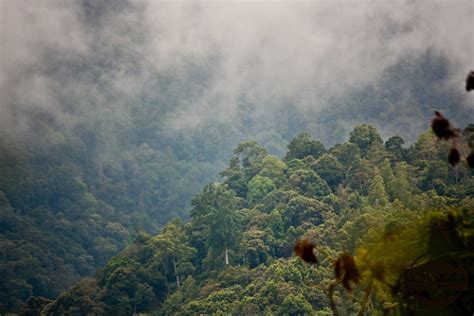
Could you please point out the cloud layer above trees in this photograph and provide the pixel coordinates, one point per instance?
(202, 59)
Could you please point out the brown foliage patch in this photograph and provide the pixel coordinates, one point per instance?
(304, 249)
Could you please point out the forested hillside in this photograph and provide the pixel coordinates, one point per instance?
(71, 199)
(370, 208)
(76, 191)
(119, 117)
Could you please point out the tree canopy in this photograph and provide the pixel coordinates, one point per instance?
(368, 219)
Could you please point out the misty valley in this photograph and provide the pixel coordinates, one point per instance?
(236, 158)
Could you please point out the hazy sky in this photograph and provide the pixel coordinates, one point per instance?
(216, 53)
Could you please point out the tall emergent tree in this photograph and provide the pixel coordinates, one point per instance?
(172, 245)
(216, 206)
(303, 145)
(366, 138)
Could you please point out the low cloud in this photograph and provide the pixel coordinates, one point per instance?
(204, 59)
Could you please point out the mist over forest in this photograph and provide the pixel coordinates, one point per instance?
(302, 119)
(217, 63)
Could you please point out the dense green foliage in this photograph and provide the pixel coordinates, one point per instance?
(80, 177)
(112, 119)
(71, 198)
(384, 204)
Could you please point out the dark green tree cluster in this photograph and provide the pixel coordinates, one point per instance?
(138, 280)
(73, 195)
(366, 199)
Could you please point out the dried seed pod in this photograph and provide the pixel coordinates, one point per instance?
(351, 275)
(453, 156)
(441, 126)
(304, 249)
(470, 81)
(346, 271)
(470, 159)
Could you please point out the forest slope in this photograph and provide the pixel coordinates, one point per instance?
(380, 203)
